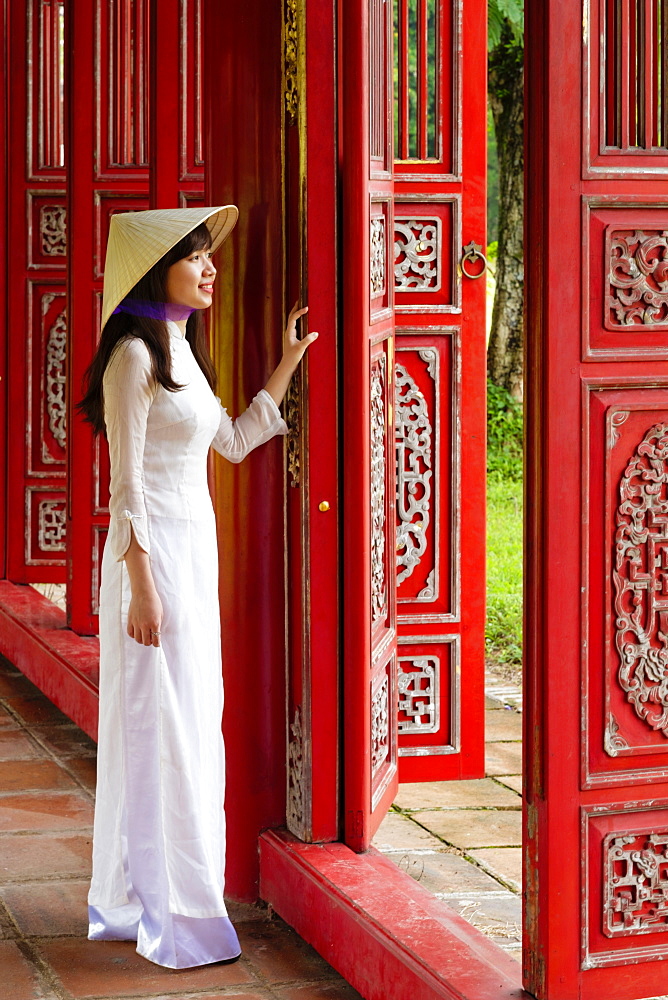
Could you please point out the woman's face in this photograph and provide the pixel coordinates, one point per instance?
(190, 280)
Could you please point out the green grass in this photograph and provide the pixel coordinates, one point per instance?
(503, 632)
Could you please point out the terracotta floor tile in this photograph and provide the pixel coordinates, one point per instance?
(15, 685)
(503, 861)
(48, 909)
(33, 775)
(468, 828)
(503, 724)
(479, 793)
(19, 980)
(45, 811)
(17, 746)
(85, 769)
(65, 741)
(44, 856)
(280, 954)
(37, 711)
(322, 991)
(114, 969)
(400, 833)
(7, 721)
(503, 758)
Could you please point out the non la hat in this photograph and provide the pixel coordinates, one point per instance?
(137, 241)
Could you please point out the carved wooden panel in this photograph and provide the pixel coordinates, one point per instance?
(626, 540)
(429, 682)
(626, 87)
(428, 457)
(383, 748)
(625, 268)
(46, 121)
(624, 883)
(190, 105)
(427, 238)
(381, 290)
(45, 529)
(380, 83)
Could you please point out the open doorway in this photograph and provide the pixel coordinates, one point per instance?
(462, 839)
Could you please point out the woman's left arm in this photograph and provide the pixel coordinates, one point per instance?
(293, 352)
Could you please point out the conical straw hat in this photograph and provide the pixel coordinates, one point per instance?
(137, 241)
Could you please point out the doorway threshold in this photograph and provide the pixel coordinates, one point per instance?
(34, 637)
(381, 930)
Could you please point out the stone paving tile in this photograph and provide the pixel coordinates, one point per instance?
(46, 856)
(45, 810)
(480, 793)
(280, 954)
(506, 862)
(48, 909)
(498, 916)
(399, 833)
(17, 746)
(446, 874)
(503, 758)
(469, 828)
(36, 775)
(502, 724)
(513, 781)
(114, 969)
(19, 979)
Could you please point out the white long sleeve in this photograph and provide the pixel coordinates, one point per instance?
(129, 390)
(258, 423)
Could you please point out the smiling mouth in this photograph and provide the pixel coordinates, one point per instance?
(207, 288)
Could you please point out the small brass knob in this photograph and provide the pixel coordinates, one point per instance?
(323, 506)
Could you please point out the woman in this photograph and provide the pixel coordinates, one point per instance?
(159, 835)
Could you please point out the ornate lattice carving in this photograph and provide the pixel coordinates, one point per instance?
(53, 230)
(414, 472)
(295, 803)
(418, 694)
(55, 378)
(428, 592)
(638, 278)
(51, 525)
(417, 254)
(293, 420)
(291, 37)
(378, 423)
(378, 256)
(635, 887)
(380, 725)
(641, 579)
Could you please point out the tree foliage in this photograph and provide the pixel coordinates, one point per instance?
(503, 13)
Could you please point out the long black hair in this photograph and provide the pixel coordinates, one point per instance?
(153, 332)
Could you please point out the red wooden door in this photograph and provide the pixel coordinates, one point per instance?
(596, 697)
(36, 314)
(440, 131)
(413, 398)
(133, 126)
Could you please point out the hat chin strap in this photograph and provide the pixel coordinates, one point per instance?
(147, 309)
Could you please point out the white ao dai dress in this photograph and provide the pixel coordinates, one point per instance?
(159, 834)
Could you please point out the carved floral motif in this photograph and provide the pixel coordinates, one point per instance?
(53, 230)
(291, 61)
(378, 581)
(638, 278)
(377, 256)
(380, 725)
(55, 378)
(293, 420)
(417, 254)
(635, 883)
(418, 682)
(295, 803)
(414, 472)
(641, 580)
